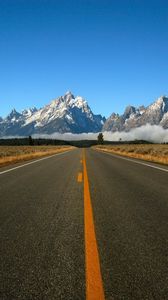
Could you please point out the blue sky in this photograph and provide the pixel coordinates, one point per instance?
(111, 52)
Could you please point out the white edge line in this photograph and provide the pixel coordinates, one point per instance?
(137, 162)
(33, 162)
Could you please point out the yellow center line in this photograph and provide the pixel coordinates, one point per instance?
(94, 284)
(79, 177)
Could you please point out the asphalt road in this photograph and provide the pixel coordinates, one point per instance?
(45, 241)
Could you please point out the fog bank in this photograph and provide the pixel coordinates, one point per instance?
(151, 133)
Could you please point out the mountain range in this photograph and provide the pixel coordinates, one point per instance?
(73, 114)
(64, 114)
(154, 114)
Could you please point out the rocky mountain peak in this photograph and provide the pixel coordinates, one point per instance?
(67, 113)
(29, 111)
(13, 114)
(164, 103)
(68, 95)
(128, 111)
(154, 114)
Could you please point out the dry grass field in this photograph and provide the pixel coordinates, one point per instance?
(150, 152)
(14, 154)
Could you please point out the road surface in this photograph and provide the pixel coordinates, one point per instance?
(84, 225)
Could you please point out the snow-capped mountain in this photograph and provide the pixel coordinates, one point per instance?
(64, 114)
(154, 114)
(73, 114)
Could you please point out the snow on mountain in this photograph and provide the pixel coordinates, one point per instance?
(154, 114)
(29, 112)
(70, 114)
(65, 114)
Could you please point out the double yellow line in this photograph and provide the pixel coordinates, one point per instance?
(94, 283)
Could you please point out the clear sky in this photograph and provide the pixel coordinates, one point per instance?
(111, 52)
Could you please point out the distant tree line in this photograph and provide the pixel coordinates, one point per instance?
(29, 141)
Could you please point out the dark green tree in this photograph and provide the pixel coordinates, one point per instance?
(31, 142)
(100, 138)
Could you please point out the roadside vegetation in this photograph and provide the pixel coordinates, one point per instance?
(15, 154)
(150, 152)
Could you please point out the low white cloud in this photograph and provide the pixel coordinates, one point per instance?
(67, 136)
(151, 133)
(6, 137)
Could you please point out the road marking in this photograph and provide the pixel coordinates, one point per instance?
(33, 162)
(94, 284)
(80, 177)
(137, 162)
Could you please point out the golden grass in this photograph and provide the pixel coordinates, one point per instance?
(151, 152)
(15, 154)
